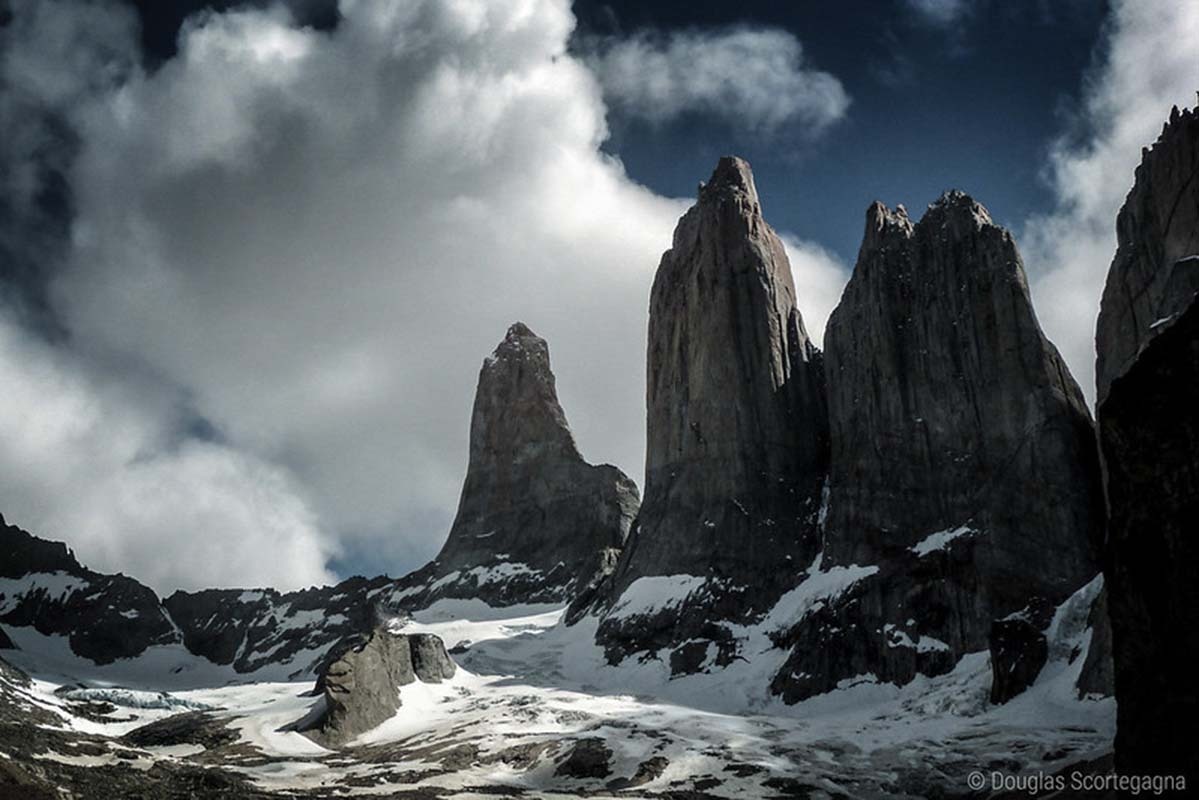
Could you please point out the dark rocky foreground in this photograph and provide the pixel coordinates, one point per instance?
(1148, 381)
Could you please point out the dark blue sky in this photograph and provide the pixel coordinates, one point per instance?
(973, 105)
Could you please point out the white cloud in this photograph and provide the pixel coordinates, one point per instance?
(752, 78)
(90, 462)
(1150, 63)
(321, 252)
(820, 278)
(315, 256)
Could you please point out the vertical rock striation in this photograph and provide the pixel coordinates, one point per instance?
(535, 522)
(736, 429)
(1156, 269)
(1148, 413)
(963, 466)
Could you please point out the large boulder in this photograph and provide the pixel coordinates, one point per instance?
(535, 522)
(361, 687)
(1148, 413)
(964, 470)
(737, 429)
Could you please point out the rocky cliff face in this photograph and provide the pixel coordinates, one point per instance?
(736, 429)
(963, 455)
(251, 629)
(535, 523)
(104, 617)
(361, 687)
(1156, 269)
(1148, 412)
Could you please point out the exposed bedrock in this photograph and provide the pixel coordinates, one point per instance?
(1148, 412)
(361, 687)
(535, 522)
(737, 426)
(963, 464)
(104, 617)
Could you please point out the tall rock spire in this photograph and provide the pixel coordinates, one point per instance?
(947, 403)
(963, 471)
(1148, 412)
(1155, 272)
(736, 429)
(535, 522)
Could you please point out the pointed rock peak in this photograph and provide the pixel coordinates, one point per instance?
(519, 330)
(516, 409)
(520, 343)
(1176, 125)
(734, 177)
(882, 223)
(957, 205)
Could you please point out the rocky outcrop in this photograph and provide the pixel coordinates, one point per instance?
(535, 522)
(1148, 412)
(252, 629)
(737, 428)
(1156, 269)
(361, 687)
(104, 617)
(963, 455)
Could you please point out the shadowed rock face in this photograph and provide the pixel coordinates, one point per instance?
(949, 407)
(1148, 412)
(963, 466)
(1156, 269)
(251, 629)
(535, 523)
(361, 687)
(105, 617)
(736, 429)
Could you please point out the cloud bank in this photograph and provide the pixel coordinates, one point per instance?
(280, 287)
(755, 78)
(1149, 64)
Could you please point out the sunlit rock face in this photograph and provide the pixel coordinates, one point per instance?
(963, 463)
(1148, 414)
(535, 523)
(737, 429)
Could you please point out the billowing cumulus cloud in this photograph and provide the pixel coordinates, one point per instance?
(97, 464)
(302, 244)
(1150, 63)
(755, 78)
(820, 278)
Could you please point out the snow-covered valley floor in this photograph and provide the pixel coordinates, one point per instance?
(535, 711)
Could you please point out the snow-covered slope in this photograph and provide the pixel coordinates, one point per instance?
(536, 708)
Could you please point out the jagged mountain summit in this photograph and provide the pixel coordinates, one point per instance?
(963, 455)
(736, 430)
(1148, 414)
(535, 522)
